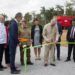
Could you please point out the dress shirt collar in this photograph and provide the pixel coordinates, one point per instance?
(16, 20)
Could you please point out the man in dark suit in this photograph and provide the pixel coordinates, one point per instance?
(59, 40)
(13, 42)
(71, 38)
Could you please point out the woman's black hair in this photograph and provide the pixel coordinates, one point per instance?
(35, 19)
(7, 23)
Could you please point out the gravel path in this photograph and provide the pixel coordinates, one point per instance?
(62, 68)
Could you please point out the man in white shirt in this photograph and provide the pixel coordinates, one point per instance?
(2, 40)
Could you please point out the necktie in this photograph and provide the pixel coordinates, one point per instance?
(72, 32)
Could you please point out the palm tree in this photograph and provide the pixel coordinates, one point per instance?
(59, 10)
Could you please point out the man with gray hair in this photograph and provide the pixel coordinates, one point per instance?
(50, 35)
(13, 41)
(2, 40)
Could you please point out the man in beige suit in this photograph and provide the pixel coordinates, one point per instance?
(50, 35)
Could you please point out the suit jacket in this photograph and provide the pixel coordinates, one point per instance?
(68, 34)
(50, 33)
(33, 32)
(13, 33)
(59, 30)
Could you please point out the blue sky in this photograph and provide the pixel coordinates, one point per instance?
(10, 7)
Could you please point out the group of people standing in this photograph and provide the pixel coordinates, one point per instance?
(11, 31)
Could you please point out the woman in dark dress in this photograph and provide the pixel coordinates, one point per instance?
(7, 55)
(36, 36)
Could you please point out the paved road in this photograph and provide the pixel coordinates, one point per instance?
(62, 68)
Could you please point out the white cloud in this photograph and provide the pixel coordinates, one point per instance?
(10, 7)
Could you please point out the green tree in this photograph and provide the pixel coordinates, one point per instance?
(59, 10)
(43, 14)
(28, 17)
(47, 14)
(69, 9)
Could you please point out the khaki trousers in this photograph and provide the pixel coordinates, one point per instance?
(49, 49)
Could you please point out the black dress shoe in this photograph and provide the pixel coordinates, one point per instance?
(67, 60)
(29, 63)
(22, 64)
(1, 69)
(15, 72)
(45, 65)
(52, 64)
(58, 59)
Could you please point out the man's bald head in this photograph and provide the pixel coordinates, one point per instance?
(2, 18)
